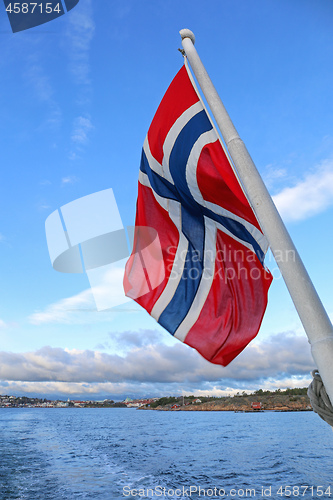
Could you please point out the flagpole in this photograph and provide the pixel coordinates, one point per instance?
(313, 316)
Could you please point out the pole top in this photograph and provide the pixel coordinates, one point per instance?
(187, 34)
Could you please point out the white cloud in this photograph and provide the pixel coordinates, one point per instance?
(106, 293)
(40, 82)
(309, 197)
(41, 85)
(273, 174)
(66, 310)
(80, 33)
(82, 125)
(73, 156)
(44, 206)
(70, 179)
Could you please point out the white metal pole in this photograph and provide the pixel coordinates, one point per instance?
(313, 316)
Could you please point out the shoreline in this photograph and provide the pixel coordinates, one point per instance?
(252, 403)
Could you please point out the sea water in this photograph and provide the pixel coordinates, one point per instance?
(98, 453)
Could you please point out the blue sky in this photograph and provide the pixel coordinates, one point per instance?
(77, 97)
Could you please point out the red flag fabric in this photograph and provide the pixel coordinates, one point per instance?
(197, 264)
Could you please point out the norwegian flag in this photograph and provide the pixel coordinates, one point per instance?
(210, 287)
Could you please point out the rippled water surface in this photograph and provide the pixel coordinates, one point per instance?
(125, 453)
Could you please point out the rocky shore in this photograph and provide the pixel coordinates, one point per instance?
(275, 402)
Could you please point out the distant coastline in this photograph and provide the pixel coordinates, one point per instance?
(244, 404)
(287, 400)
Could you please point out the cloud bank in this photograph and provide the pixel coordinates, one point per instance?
(152, 368)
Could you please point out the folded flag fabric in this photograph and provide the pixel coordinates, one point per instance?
(212, 285)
